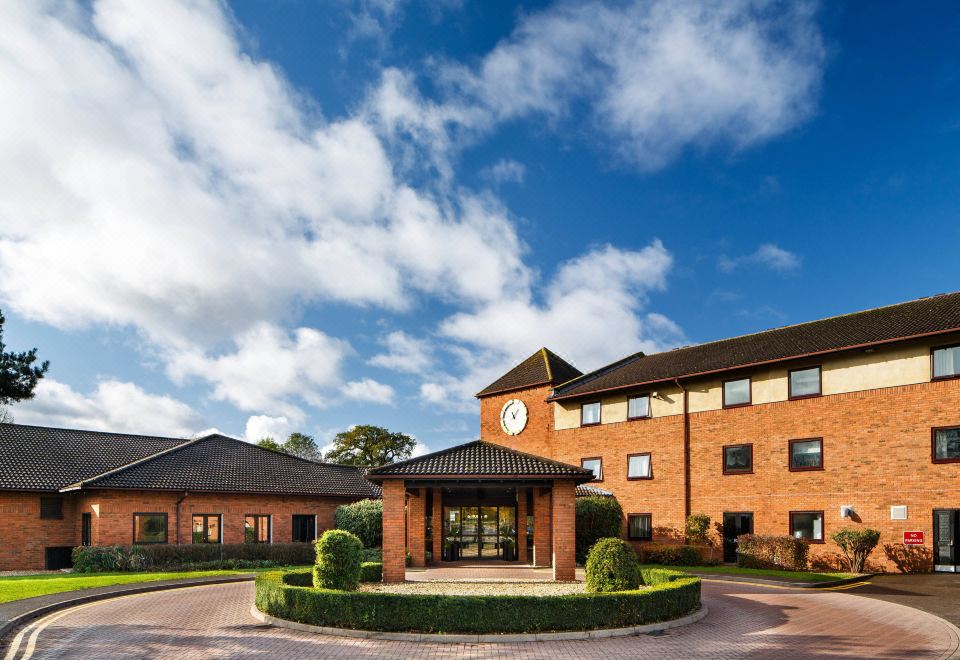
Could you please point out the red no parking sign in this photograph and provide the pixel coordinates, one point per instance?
(913, 538)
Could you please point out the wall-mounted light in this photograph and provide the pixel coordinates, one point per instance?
(846, 511)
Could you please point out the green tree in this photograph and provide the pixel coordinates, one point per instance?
(369, 446)
(302, 445)
(269, 443)
(19, 373)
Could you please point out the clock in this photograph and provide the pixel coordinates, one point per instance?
(513, 417)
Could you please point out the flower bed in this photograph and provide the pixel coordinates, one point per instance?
(288, 595)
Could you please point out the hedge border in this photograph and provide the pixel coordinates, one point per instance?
(286, 595)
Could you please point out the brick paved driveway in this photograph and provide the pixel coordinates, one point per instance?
(744, 621)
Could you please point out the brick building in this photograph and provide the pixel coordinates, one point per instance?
(61, 488)
(850, 421)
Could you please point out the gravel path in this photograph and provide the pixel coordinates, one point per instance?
(479, 588)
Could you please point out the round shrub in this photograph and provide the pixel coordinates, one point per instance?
(612, 566)
(338, 561)
(364, 519)
(597, 518)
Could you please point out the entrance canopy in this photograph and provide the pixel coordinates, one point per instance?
(479, 500)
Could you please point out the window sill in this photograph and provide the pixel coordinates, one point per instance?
(728, 406)
(582, 425)
(735, 472)
(934, 379)
(801, 397)
(640, 478)
(940, 461)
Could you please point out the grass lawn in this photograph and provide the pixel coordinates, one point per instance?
(27, 586)
(762, 572)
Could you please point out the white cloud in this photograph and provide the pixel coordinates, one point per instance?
(268, 369)
(433, 393)
(505, 170)
(112, 406)
(264, 426)
(368, 390)
(404, 353)
(768, 255)
(656, 77)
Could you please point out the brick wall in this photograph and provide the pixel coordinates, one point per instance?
(542, 539)
(394, 530)
(876, 455)
(417, 526)
(24, 535)
(564, 531)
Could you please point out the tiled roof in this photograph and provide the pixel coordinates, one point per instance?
(480, 458)
(41, 458)
(923, 317)
(542, 368)
(584, 490)
(221, 464)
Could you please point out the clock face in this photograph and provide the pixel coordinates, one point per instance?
(513, 417)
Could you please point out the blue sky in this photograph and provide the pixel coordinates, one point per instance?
(302, 216)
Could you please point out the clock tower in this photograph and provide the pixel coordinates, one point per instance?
(513, 409)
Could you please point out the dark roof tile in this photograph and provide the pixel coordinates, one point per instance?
(542, 368)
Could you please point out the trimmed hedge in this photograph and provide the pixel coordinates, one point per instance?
(363, 519)
(338, 561)
(98, 559)
(597, 518)
(674, 555)
(670, 595)
(768, 551)
(371, 571)
(612, 566)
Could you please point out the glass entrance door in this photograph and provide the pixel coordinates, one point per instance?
(946, 539)
(479, 532)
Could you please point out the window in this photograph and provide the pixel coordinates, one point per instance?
(305, 528)
(149, 528)
(595, 465)
(256, 529)
(639, 527)
(806, 454)
(738, 459)
(206, 528)
(638, 466)
(638, 407)
(946, 362)
(804, 383)
(807, 525)
(590, 413)
(946, 445)
(51, 508)
(736, 393)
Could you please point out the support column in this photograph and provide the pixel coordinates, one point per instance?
(417, 527)
(541, 527)
(394, 531)
(522, 524)
(437, 525)
(564, 530)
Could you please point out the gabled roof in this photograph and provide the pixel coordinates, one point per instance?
(586, 490)
(481, 458)
(542, 368)
(217, 463)
(918, 318)
(46, 459)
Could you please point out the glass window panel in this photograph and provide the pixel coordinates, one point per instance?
(638, 467)
(807, 526)
(807, 454)
(946, 362)
(638, 406)
(805, 382)
(488, 518)
(590, 413)
(149, 528)
(595, 465)
(256, 529)
(947, 444)
(736, 392)
(639, 526)
(737, 458)
(213, 529)
(198, 527)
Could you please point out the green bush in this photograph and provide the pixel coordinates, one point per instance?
(612, 566)
(597, 518)
(338, 561)
(673, 555)
(856, 545)
(769, 551)
(98, 559)
(363, 519)
(670, 595)
(698, 528)
(371, 571)
(372, 554)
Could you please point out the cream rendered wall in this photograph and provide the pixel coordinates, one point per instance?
(885, 367)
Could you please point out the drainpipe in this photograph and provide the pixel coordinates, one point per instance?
(179, 501)
(686, 450)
